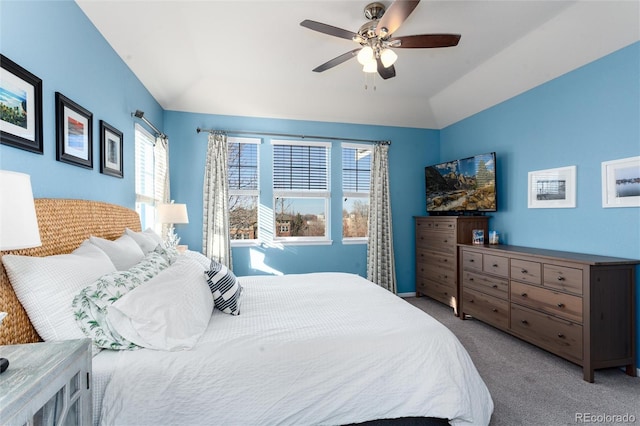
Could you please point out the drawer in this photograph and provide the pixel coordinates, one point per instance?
(443, 225)
(440, 274)
(563, 278)
(559, 304)
(497, 265)
(561, 337)
(441, 260)
(439, 292)
(487, 308)
(472, 260)
(526, 271)
(494, 286)
(444, 242)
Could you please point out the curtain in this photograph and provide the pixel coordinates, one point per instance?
(380, 260)
(161, 176)
(216, 243)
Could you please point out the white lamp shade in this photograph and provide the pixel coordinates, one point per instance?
(365, 55)
(18, 221)
(388, 57)
(370, 67)
(173, 213)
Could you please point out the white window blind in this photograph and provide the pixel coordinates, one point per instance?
(150, 174)
(300, 166)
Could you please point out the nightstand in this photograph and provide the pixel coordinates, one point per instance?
(46, 383)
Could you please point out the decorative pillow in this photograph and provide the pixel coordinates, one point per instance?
(169, 312)
(89, 307)
(123, 252)
(148, 240)
(46, 287)
(225, 288)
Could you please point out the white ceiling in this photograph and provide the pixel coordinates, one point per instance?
(252, 58)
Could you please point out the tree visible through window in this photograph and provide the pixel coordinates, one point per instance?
(243, 188)
(356, 182)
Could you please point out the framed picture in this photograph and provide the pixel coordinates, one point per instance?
(621, 183)
(110, 150)
(20, 107)
(552, 188)
(74, 133)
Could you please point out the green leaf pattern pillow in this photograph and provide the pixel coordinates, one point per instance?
(90, 305)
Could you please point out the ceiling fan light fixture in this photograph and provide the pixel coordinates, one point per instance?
(365, 55)
(388, 57)
(370, 67)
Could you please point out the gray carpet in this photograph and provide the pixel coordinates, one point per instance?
(530, 386)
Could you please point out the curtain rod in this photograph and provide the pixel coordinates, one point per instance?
(290, 135)
(140, 114)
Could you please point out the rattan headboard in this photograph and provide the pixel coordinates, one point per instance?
(63, 224)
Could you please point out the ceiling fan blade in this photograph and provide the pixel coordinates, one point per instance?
(426, 41)
(385, 73)
(328, 29)
(337, 60)
(395, 16)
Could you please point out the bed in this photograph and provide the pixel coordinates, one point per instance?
(319, 348)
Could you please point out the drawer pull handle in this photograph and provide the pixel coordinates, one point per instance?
(445, 241)
(560, 278)
(524, 271)
(446, 294)
(524, 322)
(560, 305)
(495, 286)
(524, 295)
(471, 301)
(470, 279)
(470, 260)
(560, 335)
(494, 310)
(444, 260)
(495, 265)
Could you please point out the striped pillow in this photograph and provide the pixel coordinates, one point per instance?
(225, 288)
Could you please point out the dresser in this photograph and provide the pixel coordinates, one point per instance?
(577, 306)
(46, 383)
(437, 254)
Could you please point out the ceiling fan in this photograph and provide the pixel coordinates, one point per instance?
(376, 39)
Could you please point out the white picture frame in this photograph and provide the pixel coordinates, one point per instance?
(621, 183)
(552, 188)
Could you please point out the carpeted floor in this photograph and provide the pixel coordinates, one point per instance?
(530, 386)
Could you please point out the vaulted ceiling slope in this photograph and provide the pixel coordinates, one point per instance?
(252, 58)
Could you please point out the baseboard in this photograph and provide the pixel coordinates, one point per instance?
(411, 294)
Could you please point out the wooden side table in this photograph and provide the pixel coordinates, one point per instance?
(46, 383)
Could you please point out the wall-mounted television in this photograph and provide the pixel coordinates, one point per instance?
(464, 186)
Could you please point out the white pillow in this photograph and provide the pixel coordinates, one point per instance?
(123, 252)
(169, 312)
(148, 240)
(46, 287)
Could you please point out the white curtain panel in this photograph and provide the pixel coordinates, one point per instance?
(161, 170)
(216, 243)
(380, 261)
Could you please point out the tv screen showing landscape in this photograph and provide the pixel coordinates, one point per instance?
(466, 185)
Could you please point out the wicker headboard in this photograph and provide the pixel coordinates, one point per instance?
(63, 224)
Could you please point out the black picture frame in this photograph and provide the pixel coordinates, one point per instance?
(20, 107)
(111, 143)
(74, 133)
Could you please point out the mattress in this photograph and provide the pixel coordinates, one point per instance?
(321, 349)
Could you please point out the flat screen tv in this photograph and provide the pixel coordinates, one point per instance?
(465, 186)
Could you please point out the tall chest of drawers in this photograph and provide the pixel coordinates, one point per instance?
(437, 254)
(577, 306)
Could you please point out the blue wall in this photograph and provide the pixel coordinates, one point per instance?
(409, 151)
(583, 118)
(56, 42)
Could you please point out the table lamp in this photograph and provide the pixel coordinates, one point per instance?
(18, 221)
(172, 214)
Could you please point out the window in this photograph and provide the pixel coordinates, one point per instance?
(150, 175)
(356, 181)
(301, 189)
(243, 187)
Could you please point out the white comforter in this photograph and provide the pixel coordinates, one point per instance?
(323, 348)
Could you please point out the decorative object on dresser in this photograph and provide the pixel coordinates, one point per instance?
(580, 307)
(437, 254)
(171, 214)
(50, 384)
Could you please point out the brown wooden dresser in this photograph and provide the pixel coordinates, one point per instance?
(437, 254)
(577, 306)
